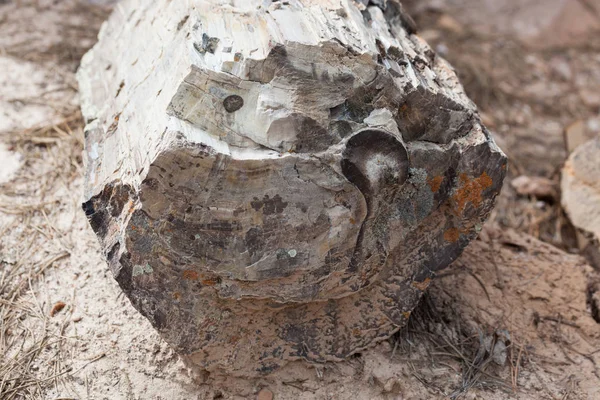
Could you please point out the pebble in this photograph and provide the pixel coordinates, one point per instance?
(537, 186)
(11, 162)
(264, 394)
(447, 23)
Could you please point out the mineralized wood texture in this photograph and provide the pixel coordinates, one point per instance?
(274, 181)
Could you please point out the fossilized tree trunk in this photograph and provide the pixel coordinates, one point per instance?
(274, 181)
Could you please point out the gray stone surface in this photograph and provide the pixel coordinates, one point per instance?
(278, 181)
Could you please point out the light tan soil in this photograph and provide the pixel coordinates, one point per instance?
(511, 319)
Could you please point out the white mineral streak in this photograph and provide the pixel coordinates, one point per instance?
(160, 69)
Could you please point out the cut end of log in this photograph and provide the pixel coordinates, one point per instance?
(278, 181)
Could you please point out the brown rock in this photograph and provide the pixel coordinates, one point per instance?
(536, 186)
(58, 307)
(576, 134)
(581, 187)
(447, 23)
(590, 98)
(264, 394)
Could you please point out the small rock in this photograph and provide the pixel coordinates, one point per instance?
(430, 35)
(562, 69)
(264, 394)
(576, 134)
(581, 187)
(499, 356)
(392, 386)
(58, 307)
(521, 115)
(447, 23)
(442, 49)
(500, 341)
(590, 249)
(590, 98)
(593, 124)
(536, 186)
(488, 120)
(11, 163)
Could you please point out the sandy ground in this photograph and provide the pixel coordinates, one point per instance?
(519, 327)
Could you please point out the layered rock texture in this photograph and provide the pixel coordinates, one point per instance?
(275, 181)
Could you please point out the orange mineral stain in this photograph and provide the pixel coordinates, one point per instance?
(470, 191)
(130, 206)
(452, 235)
(422, 285)
(210, 281)
(435, 183)
(190, 275)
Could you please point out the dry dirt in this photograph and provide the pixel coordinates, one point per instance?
(513, 318)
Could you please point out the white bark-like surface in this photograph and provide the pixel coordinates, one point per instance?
(278, 180)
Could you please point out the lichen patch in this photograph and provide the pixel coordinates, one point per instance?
(470, 191)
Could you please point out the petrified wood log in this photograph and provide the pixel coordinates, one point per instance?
(273, 181)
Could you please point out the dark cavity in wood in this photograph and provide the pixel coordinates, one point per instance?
(233, 103)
